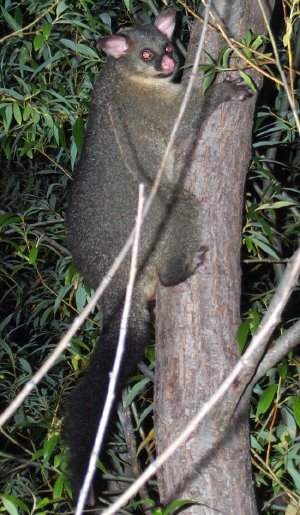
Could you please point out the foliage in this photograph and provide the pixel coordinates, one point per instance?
(48, 62)
(271, 234)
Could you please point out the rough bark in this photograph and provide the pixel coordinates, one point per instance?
(197, 320)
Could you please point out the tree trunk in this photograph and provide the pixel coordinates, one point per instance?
(197, 320)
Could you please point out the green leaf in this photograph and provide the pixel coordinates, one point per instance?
(289, 421)
(61, 8)
(135, 390)
(255, 445)
(249, 244)
(11, 22)
(105, 18)
(266, 399)
(25, 365)
(38, 41)
(248, 81)
(8, 115)
(145, 413)
(80, 48)
(27, 112)
(296, 409)
(277, 205)
(46, 30)
(36, 117)
(127, 4)
(80, 297)
(44, 502)
(33, 254)
(254, 320)
(247, 37)
(178, 504)
(38, 454)
(266, 248)
(78, 133)
(58, 487)
(292, 470)
(10, 502)
(242, 334)
(283, 370)
(17, 114)
(208, 80)
(9, 92)
(257, 42)
(49, 446)
(61, 294)
(74, 154)
(48, 119)
(10, 506)
(223, 60)
(58, 458)
(9, 219)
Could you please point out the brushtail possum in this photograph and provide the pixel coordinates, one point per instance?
(134, 106)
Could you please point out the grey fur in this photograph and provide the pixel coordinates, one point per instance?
(132, 113)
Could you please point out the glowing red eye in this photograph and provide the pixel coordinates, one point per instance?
(169, 49)
(147, 54)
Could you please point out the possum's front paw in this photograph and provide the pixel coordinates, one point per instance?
(236, 89)
(196, 260)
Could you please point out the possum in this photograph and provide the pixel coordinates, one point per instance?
(135, 103)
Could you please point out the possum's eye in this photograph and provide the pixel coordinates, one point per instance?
(169, 49)
(147, 54)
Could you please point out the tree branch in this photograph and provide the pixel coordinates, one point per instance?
(278, 349)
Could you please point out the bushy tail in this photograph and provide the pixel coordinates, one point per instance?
(87, 399)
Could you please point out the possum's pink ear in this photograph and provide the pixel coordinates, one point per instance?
(116, 46)
(165, 22)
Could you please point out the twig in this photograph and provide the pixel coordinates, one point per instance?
(243, 368)
(117, 363)
(19, 31)
(33, 225)
(63, 170)
(265, 260)
(146, 370)
(272, 475)
(278, 350)
(55, 245)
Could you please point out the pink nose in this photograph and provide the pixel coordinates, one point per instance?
(167, 64)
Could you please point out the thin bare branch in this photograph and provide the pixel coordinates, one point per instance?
(278, 349)
(53, 243)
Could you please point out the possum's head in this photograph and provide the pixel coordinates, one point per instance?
(145, 53)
